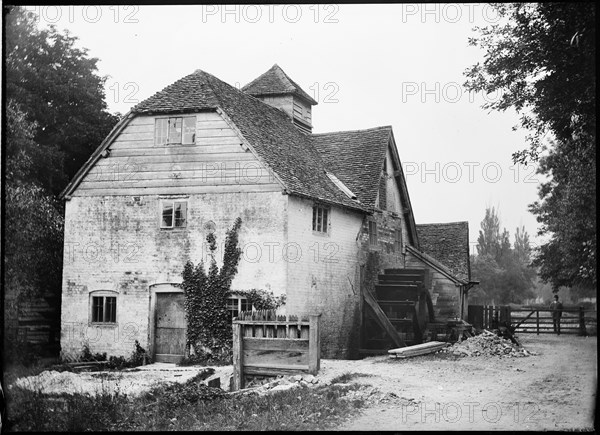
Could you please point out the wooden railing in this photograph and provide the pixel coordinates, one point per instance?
(539, 320)
(532, 319)
(268, 344)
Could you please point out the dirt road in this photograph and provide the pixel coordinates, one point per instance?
(553, 390)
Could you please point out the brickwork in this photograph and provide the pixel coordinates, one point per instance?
(115, 243)
(324, 278)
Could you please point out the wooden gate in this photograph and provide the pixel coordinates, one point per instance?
(169, 327)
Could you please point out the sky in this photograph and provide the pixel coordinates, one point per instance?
(366, 65)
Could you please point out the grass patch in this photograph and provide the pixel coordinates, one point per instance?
(189, 406)
(344, 378)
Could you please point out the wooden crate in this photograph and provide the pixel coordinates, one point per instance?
(266, 344)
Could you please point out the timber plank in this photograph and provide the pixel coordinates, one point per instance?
(276, 344)
(211, 147)
(383, 319)
(127, 191)
(174, 182)
(266, 358)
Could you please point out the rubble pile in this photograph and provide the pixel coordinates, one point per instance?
(487, 344)
(262, 385)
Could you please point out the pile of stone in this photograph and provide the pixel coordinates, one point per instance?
(487, 344)
(262, 385)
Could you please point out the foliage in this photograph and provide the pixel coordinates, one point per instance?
(55, 117)
(208, 323)
(542, 61)
(34, 221)
(57, 87)
(264, 300)
(567, 211)
(503, 272)
(190, 406)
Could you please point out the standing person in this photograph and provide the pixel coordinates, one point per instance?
(556, 306)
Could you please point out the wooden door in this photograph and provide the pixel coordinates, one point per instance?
(169, 327)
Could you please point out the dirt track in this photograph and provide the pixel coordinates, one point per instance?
(553, 390)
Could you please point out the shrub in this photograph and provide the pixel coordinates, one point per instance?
(264, 300)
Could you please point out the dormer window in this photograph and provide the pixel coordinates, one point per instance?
(175, 131)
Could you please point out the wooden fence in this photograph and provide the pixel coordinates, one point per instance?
(268, 344)
(532, 319)
(488, 316)
(539, 320)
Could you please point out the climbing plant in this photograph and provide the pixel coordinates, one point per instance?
(206, 293)
(263, 299)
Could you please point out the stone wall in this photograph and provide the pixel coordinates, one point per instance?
(114, 243)
(323, 274)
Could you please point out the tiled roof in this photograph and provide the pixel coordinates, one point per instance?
(275, 81)
(356, 157)
(449, 244)
(284, 148)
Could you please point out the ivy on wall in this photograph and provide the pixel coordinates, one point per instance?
(206, 294)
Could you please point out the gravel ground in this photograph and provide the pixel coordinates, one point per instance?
(552, 389)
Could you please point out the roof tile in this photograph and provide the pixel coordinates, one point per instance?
(449, 244)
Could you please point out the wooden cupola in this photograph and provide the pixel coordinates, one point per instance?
(278, 90)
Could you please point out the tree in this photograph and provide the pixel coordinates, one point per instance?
(57, 86)
(489, 234)
(504, 273)
(33, 218)
(542, 62)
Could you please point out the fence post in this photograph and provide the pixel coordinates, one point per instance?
(314, 345)
(582, 330)
(537, 321)
(238, 354)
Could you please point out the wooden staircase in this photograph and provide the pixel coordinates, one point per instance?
(401, 297)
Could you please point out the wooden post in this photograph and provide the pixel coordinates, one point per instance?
(238, 356)
(537, 321)
(314, 345)
(582, 331)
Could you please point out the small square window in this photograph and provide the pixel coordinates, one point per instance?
(176, 130)
(237, 304)
(320, 219)
(173, 214)
(104, 309)
(372, 233)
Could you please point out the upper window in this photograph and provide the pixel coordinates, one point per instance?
(372, 233)
(173, 214)
(104, 309)
(176, 130)
(320, 219)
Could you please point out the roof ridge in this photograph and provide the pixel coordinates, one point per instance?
(382, 127)
(239, 91)
(444, 223)
(287, 85)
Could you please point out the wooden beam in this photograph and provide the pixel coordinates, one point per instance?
(382, 319)
(238, 352)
